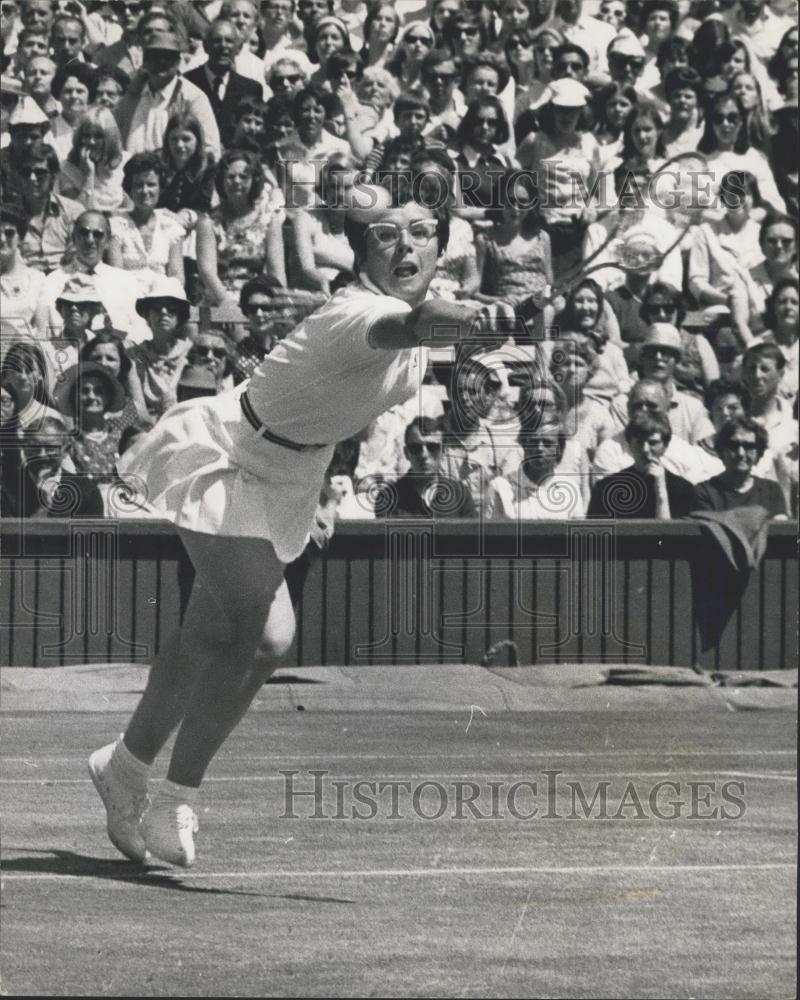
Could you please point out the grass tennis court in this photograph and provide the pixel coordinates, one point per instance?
(500, 907)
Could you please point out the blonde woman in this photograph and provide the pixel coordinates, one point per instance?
(93, 171)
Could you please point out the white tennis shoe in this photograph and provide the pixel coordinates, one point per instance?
(168, 828)
(125, 804)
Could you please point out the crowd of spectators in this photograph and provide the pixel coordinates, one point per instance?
(172, 183)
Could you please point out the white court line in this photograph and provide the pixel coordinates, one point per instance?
(438, 776)
(423, 872)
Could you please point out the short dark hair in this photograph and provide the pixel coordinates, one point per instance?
(570, 48)
(356, 232)
(435, 58)
(80, 71)
(721, 387)
(683, 78)
(143, 163)
(667, 291)
(44, 152)
(109, 73)
(264, 283)
(642, 425)
(670, 48)
(231, 156)
(771, 352)
(340, 60)
(424, 426)
(311, 91)
(670, 6)
(107, 337)
(487, 60)
(769, 311)
(466, 126)
(14, 212)
(775, 219)
(409, 101)
(247, 106)
(742, 423)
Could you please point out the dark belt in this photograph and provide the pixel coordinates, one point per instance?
(255, 423)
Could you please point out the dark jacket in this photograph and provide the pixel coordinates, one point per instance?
(629, 494)
(413, 496)
(238, 87)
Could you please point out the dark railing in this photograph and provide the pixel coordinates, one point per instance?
(416, 592)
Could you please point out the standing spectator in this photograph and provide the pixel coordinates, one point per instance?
(281, 36)
(257, 302)
(143, 114)
(660, 354)
(20, 285)
(218, 80)
(71, 86)
(92, 173)
(160, 360)
(147, 242)
(646, 489)
(740, 443)
(243, 233)
(51, 216)
(87, 395)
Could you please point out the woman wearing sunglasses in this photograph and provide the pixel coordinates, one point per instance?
(415, 42)
(240, 475)
(726, 145)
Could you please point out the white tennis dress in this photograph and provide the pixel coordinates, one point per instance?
(207, 469)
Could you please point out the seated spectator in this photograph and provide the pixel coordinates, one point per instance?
(127, 53)
(39, 74)
(242, 232)
(92, 172)
(325, 36)
(613, 106)
(25, 366)
(683, 91)
(188, 185)
(257, 302)
(143, 113)
(79, 305)
(90, 236)
(87, 395)
(108, 351)
(67, 39)
(282, 37)
(763, 367)
(681, 458)
(41, 486)
(51, 216)
(645, 489)
(286, 77)
(110, 85)
(586, 312)
(321, 253)
(160, 360)
(741, 443)
(424, 491)
(212, 350)
(514, 260)
(20, 285)
(659, 357)
(71, 87)
(219, 81)
(698, 366)
(309, 114)
(439, 76)
(196, 382)
(778, 241)
(481, 133)
(537, 492)
(781, 318)
(146, 242)
(415, 41)
(249, 130)
(475, 450)
(572, 367)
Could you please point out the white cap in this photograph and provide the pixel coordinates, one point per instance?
(27, 112)
(663, 335)
(626, 44)
(568, 94)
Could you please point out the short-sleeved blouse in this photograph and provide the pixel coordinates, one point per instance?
(146, 264)
(451, 271)
(242, 241)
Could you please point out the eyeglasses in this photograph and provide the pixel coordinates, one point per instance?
(518, 43)
(95, 234)
(469, 32)
(635, 61)
(417, 447)
(8, 233)
(731, 119)
(386, 234)
(254, 307)
(217, 352)
(290, 78)
(748, 446)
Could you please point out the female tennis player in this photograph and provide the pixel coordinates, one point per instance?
(240, 476)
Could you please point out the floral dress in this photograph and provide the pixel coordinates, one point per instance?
(242, 243)
(146, 265)
(512, 277)
(451, 271)
(95, 456)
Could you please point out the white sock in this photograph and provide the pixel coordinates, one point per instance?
(134, 770)
(178, 794)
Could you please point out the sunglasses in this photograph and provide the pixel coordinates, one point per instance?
(518, 43)
(731, 119)
(469, 32)
(254, 307)
(441, 76)
(85, 233)
(748, 446)
(217, 352)
(291, 78)
(421, 39)
(8, 233)
(621, 60)
(432, 447)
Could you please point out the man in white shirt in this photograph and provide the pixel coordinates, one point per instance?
(116, 290)
(142, 114)
(593, 35)
(755, 24)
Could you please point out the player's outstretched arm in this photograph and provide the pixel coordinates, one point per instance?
(435, 322)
